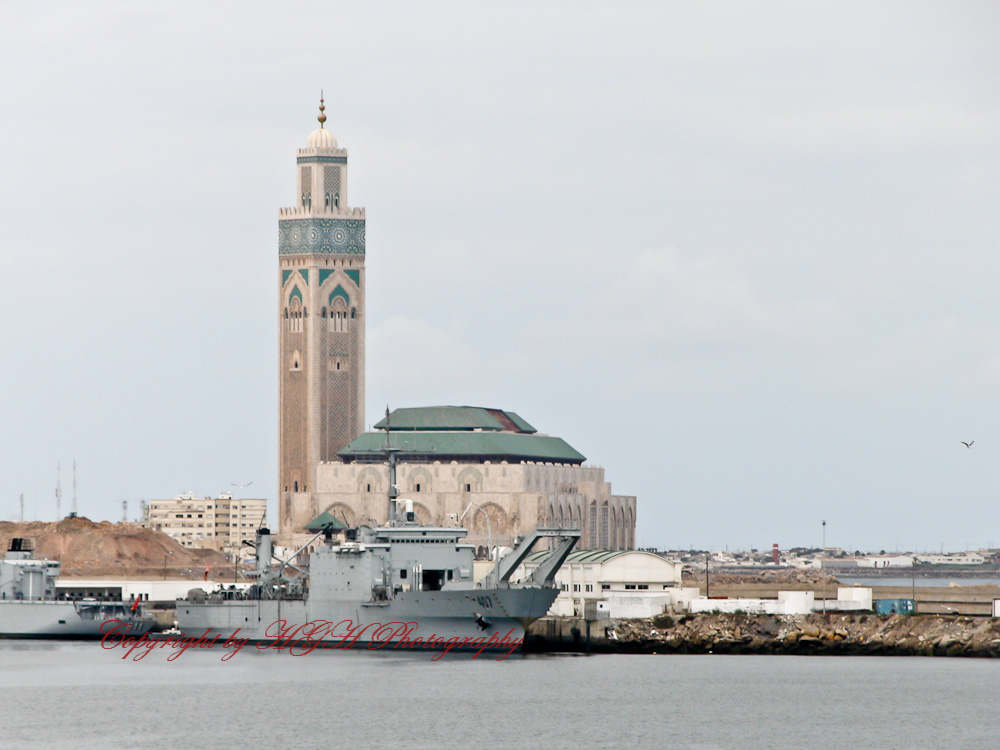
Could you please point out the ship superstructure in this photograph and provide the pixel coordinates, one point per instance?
(29, 607)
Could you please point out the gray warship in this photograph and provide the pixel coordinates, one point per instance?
(399, 586)
(29, 607)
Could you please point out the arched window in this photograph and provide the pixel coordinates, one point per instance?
(295, 311)
(338, 316)
(336, 200)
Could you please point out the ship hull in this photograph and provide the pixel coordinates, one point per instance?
(472, 619)
(61, 619)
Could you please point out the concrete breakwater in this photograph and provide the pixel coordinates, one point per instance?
(845, 634)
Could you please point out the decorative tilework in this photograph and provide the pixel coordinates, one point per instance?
(321, 236)
(340, 292)
(295, 293)
(354, 275)
(324, 274)
(301, 275)
(321, 160)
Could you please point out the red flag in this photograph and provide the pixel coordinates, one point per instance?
(135, 603)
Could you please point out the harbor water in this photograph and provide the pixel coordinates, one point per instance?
(76, 695)
(918, 581)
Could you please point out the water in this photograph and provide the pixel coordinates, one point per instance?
(74, 695)
(920, 582)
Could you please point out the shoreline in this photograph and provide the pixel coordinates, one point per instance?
(833, 634)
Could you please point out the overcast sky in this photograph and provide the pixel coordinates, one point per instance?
(742, 255)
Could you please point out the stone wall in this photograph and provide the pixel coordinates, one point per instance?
(516, 498)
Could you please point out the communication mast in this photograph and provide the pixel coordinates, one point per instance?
(58, 492)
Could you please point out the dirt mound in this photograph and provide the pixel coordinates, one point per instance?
(88, 549)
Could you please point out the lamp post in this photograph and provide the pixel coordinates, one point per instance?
(489, 530)
(708, 591)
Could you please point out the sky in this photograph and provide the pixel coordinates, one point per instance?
(741, 255)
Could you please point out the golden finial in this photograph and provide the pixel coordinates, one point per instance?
(322, 116)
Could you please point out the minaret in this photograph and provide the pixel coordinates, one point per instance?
(321, 354)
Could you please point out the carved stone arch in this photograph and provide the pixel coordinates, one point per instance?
(605, 525)
(592, 538)
(295, 362)
(423, 514)
(630, 529)
(470, 480)
(343, 513)
(339, 296)
(419, 476)
(498, 525)
(370, 480)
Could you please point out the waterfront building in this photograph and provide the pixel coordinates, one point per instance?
(883, 561)
(485, 468)
(628, 583)
(221, 523)
(952, 558)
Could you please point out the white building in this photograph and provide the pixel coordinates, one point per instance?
(886, 561)
(221, 523)
(637, 584)
(954, 558)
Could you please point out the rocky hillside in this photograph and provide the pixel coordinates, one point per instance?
(88, 549)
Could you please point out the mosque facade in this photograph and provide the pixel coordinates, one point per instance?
(485, 469)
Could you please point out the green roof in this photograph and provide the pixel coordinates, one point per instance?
(513, 447)
(324, 519)
(455, 418)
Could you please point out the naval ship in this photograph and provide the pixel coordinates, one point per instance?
(29, 607)
(400, 586)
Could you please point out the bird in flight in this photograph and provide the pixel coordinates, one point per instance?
(967, 445)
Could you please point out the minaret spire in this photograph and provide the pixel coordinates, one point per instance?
(322, 114)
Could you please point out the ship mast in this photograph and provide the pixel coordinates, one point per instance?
(393, 491)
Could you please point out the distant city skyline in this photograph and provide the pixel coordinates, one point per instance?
(742, 257)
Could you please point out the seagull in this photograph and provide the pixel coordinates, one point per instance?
(967, 445)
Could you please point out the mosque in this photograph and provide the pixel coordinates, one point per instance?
(487, 469)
